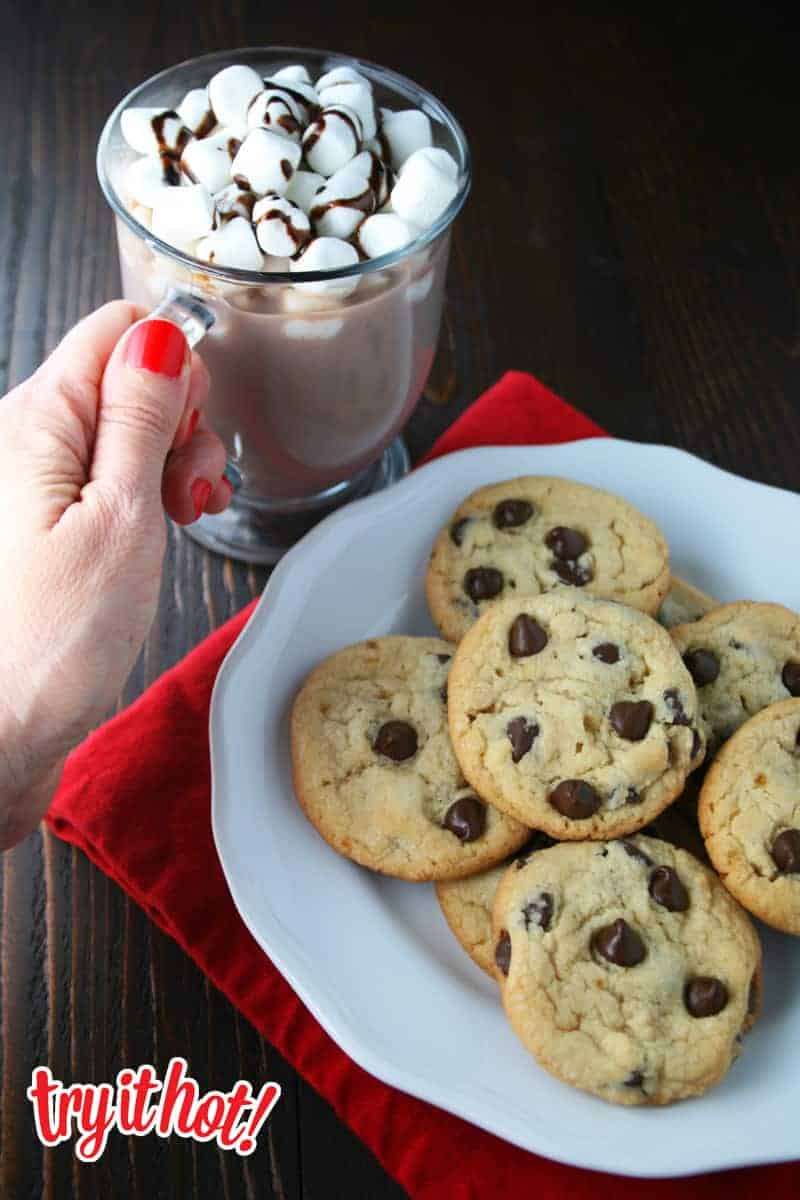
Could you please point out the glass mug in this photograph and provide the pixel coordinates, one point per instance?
(309, 393)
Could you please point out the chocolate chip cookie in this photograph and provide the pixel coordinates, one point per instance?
(750, 815)
(572, 714)
(535, 534)
(682, 603)
(626, 968)
(467, 903)
(374, 769)
(742, 657)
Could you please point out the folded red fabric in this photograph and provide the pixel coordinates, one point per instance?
(135, 797)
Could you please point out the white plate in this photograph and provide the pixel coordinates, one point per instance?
(373, 958)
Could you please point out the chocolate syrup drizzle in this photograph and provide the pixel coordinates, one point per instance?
(170, 155)
(315, 131)
(286, 120)
(365, 202)
(298, 236)
(298, 97)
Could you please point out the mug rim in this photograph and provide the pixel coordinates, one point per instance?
(392, 79)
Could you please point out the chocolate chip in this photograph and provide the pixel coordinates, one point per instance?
(522, 734)
(575, 799)
(666, 888)
(633, 796)
(466, 818)
(702, 665)
(786, 851)
(675, 705)
(697, 744)
(481, 583)
(502, 952)
(509, 513)
(634, 852)
(539, 911)
(705, 996)
(607, 652)
(571, 573)
(567, 544)
(443, 693)
(539, 841)
(526, 637)
(619, 944)
(634, 1080)
(791, 677)
(396, 740)
(457, 530)
(631, 718)
(444, 658)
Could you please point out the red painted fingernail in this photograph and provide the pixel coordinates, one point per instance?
(157, 346)
(201, 489)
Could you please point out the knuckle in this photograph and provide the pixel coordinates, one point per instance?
(142, 411)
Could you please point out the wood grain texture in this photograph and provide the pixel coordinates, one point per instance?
(633, 238)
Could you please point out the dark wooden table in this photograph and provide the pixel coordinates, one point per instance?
(633, 239)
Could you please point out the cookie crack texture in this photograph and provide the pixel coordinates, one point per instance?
(597, 1024)
(636, 758)
(750, 795)
(384, 800)
(619, 553)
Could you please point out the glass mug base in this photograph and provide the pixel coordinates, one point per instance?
(261, 532)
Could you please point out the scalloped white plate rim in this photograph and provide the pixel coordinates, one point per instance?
(650, 1154)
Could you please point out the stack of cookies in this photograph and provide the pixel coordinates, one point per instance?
(530, 760)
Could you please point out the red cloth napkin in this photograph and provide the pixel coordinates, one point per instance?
(135, 797)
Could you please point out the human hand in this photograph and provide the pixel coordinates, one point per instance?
(107, 434)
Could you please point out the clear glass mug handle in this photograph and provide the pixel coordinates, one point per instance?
(194, 320)
(189, 314)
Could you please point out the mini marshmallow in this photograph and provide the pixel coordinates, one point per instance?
(182, 214)
(341, 75)
(440, 158)
(384, 233)
(232, 245)
(277, 111)
(405, 132)
(149, 130)
(344, 202)
(423, 191)
(332, 140)
(327, 254)
(145, 179)
(224, 138)
(375, 169)
(234, 201)
(303, 187)
(206, 161)
(281, 227)
(302, 93)
(358, 97)
(293, 74)
(266, 162)
(195, 112)
(230, 92)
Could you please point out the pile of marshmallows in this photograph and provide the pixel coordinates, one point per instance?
(279, 175)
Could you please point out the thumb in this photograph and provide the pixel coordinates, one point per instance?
(142, 398)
